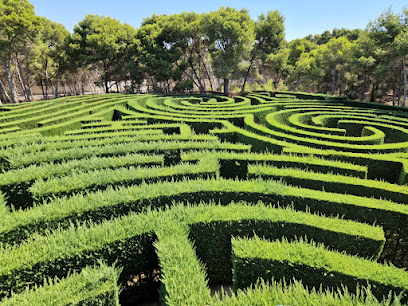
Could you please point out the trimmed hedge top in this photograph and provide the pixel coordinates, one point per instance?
(162, 184)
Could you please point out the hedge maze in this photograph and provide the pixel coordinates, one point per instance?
(115, 198)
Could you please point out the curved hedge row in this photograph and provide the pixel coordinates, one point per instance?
(173, 189)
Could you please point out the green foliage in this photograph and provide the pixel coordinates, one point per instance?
(295, 293)
(269, 33)
(161, 185)
(189, 51)
(314, 265)
(211, 230)
(101, 179)
(127, 241)
(230, 34)
(298, 162)
(401, 42)
(332, 182)
(18, 24)
(15, 183)
(60, 212)
(183, 279)
(92, 286)
(115, 149)
(102, 41)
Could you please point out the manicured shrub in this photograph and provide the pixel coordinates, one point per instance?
(167, 187)
(314, 265)
(92, 286)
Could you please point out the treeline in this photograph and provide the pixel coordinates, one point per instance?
(223, 50)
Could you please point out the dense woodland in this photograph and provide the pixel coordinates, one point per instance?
(223, 50)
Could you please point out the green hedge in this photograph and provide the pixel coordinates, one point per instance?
(403, 179)
(363, 118)
(394, 134)
(129, 240)
(385, 167)
(236, 164)
(101, 179)
(154, 109)
(82, 110)
(278, 121)
(259, 143)
(19, 225)
(314, 265)
(329, 120)
(114, 149)
(232, 109)
(29, 116)
(61, 124)
(15, 184)
(332, 183)
(126, 241)
(182, 275)
(302, 95)
(166, 128)
(124, 130)
(10, 130)
(294, 293)
(21, 146)
(92, 286)
(143, 227)
(34, 119)
(4, 211)
(27, 106)
(305, 120)
(176, 105)
(213, 226)
(288, 140)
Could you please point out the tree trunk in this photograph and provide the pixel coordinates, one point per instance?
(226, 84)
(373, 92)
(46, 77)
(362, 93)
(28, 85)
(405, 81)
(334, 83)
(246, 77)
(65, 90)
(276, 83)
(398, 95)
(9, 80)
(106, 83)
(200, 87)
(3, 92)
(42, 88)
(206, 70)
(56, 85)
(393, 95)
(199, 84)
(247, 73)
(192, 78)
(20, 78)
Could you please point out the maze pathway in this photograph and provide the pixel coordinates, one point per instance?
(117, 198)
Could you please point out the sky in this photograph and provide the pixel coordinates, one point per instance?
(302, 17)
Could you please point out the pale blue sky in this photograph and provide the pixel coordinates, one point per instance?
(301, 17)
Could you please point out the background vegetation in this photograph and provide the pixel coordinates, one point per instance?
(223, 50)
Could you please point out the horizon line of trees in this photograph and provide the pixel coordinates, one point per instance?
(223, 50)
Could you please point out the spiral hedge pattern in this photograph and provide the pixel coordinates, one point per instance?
(112, 198)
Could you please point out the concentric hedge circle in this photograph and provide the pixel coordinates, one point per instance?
(176, 191)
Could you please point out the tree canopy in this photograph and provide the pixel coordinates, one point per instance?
(224, 50)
